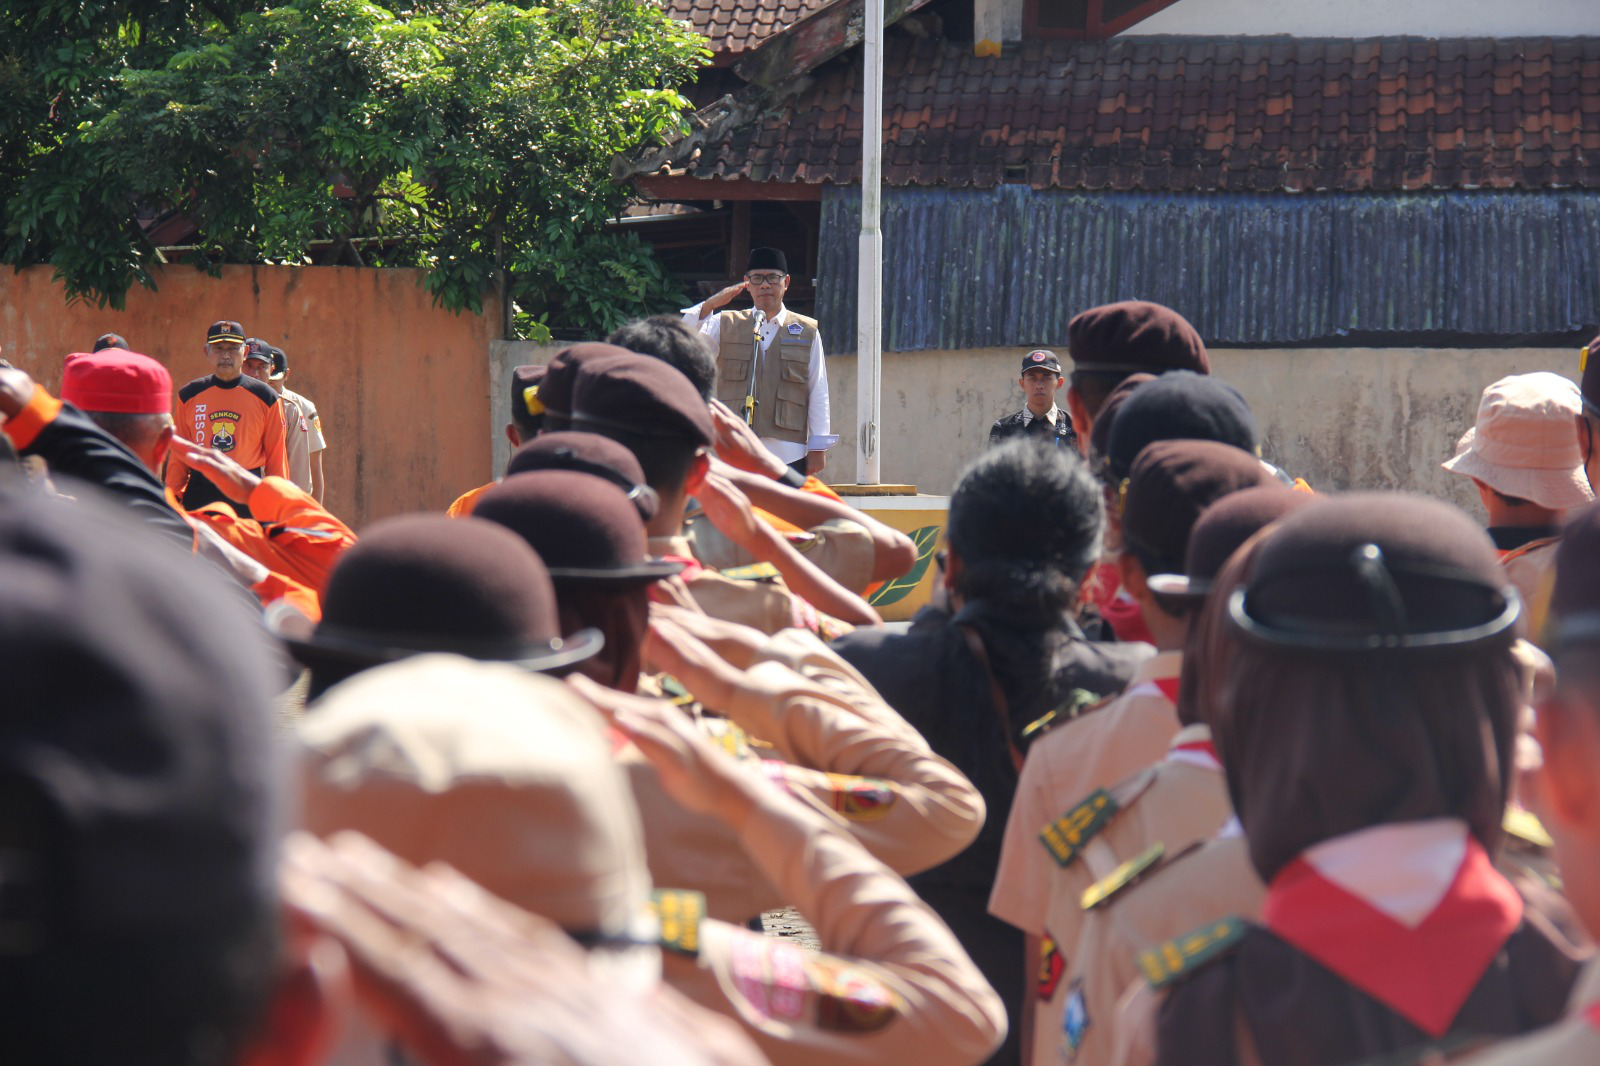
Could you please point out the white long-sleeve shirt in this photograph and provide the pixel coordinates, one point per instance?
(818, 419)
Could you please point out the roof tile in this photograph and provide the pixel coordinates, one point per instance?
(1174, 114)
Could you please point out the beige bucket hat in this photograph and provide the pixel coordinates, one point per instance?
(506, 776)
(1525, 442)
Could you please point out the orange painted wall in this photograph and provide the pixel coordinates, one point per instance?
(402, 386)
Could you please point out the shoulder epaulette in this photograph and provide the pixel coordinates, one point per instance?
(1065, 837)
(1070, 708)
(679, 913)
(260, 390)
(1165, 963)
(753, 572)
(1526, 827)
(194, 388)
(1097, 894)
(673, 689)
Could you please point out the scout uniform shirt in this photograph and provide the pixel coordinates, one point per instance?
(1528, 557)
(239, 417)
(1065, 766)
(1400, 939)
(827, 740)
(890, 985)
(1103, 844)
(752, 596)
(1574, 1041)
(302, 436)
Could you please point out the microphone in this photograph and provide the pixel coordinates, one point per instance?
(760, 320)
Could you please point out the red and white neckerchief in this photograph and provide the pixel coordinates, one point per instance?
(1411, 914)
(1165, 683)
(1193, 745)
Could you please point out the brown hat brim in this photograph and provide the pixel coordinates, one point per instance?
(649, 570)
(1180, 586)
(326, 644)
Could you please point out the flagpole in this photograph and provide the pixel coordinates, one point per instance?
(869, 291)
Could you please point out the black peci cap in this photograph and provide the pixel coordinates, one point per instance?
(767, 259)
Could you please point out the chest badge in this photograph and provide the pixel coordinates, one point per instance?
(795, 329)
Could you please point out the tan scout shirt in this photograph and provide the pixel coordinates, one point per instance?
(891, 984)
(1178, 803)
(840, 750)
(1531, 569)
(849, 755)
(1067, 764)
(767, 604)
(840, 548)
(1572, 1042)
(1205, 885)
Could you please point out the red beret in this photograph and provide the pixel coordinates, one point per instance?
(117, 380)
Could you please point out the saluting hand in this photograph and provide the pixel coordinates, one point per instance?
(729, 509)
(737, 444)
(231, 479)
(696, 773)
(721, 298)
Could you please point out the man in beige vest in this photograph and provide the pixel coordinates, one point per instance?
(779, 385)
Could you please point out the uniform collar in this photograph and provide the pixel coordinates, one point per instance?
(1192, 744)
(1412, 914)
(1049, 416)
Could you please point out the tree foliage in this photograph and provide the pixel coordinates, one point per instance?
(470, 138)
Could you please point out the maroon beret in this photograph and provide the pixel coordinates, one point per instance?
(1221, 530)
(1170, 484)
(582, 527)
(421, 583)
(1135, 335)
(561, 376)
(588, 453)
(642, 397)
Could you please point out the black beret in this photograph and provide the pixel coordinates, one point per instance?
(1179, 405)
(1135, 335)
(1171, 483)
(1100, 434)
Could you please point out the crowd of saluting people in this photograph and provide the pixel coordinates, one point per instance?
(1188, 761)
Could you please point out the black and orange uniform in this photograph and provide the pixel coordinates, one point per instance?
(241, 417)
(297, 540)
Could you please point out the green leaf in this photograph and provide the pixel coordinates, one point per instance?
(926, 540)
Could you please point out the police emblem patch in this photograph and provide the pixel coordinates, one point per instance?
(795, 329)
(1074, 1022)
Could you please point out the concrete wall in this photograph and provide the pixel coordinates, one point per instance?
(1375, 18)
(505, 356)
(402, 386)
(1348, 418)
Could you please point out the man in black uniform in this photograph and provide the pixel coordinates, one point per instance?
(1040, 419)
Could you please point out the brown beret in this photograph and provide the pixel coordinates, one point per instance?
(588, 453)
(582, 527)
(420, 583)
(561, 376)
(1376, 571)
(642, 397)
(1100, 435)
(1221, 530)
(1170, 484)
(1135, 335)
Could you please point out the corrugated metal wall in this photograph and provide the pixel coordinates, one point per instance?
(972, 268)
